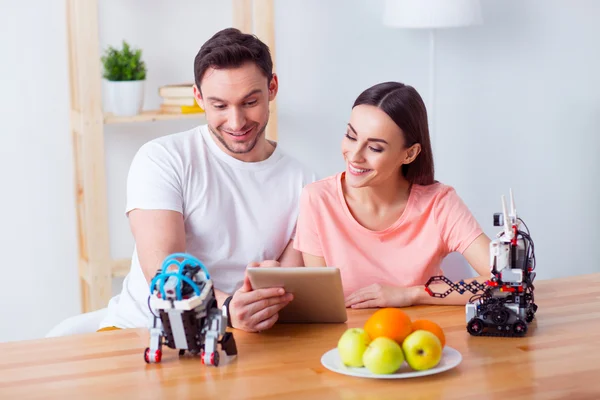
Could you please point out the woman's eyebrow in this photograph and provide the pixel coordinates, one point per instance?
(369, 139)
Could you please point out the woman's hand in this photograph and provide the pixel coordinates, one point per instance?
(378, 295)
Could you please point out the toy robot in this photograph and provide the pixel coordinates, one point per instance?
(188, 316)
(505, 305)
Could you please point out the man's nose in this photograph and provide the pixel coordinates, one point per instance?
(237, 120)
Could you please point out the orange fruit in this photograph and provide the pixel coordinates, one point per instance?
(391, 323)
(427, 325)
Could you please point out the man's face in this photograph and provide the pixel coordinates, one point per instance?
(236, 101)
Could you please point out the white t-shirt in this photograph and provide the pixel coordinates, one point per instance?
(235, 212)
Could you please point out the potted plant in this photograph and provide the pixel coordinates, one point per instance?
(125, 73)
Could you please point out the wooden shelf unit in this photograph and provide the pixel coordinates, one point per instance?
(96, 266)
(149, 116)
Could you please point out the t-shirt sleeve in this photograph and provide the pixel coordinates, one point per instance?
(458, 227)
(307, 237)
(153, 182)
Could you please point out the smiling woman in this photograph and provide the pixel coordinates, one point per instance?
(385, 222)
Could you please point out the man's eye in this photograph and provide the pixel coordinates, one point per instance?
(251, 103)
(219, 106)
(350, 137)
(375, 149)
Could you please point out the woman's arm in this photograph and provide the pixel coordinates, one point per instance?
(380, 295)
(313, 261)
(478, 256)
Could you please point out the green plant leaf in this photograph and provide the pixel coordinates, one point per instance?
(123, 64)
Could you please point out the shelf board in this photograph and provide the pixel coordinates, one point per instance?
(150, 116)
(120, 267)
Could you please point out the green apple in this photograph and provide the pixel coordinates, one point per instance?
(422, 349)
(383, 356)
(352, 345)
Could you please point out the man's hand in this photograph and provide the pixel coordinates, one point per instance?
(378, 295)
(265, 263)
(257, 310)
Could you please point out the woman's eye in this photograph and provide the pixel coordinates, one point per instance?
(350, 137)
(375, 150)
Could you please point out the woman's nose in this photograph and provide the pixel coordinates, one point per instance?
(356, 156)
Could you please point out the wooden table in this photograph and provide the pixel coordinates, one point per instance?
(559, 359)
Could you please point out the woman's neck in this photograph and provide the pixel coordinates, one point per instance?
(382, 197)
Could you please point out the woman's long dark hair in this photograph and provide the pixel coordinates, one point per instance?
(405, 107)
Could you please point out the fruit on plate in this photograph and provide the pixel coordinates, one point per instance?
(392, 323)
(383, 356)
(427, 325)
(422, 349)
(352, 345)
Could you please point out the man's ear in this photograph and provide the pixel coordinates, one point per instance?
(273, 87)
(412, 153)
(198, 97)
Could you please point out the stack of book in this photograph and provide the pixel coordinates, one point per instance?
(178, 99)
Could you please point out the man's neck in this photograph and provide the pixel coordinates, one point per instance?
(261, 151)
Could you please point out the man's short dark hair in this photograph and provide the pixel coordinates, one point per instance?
(231, 48)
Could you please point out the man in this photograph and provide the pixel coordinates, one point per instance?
(221, 192)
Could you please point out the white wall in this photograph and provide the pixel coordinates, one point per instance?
(525, 81)
(517, 105)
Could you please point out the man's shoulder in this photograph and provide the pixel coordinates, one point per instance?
(291, 165)
(177, 141)
(177, 148)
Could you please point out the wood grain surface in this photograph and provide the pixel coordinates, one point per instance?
(558, 359)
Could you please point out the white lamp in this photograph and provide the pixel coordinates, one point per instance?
(432, 15)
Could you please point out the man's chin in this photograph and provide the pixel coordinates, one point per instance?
(241, 147)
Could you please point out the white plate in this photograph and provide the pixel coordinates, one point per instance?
(450, 359)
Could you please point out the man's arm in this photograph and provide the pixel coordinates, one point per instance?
(160, 233)
(289, 258)
(157, 234)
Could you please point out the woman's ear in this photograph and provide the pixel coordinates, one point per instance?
(412, 153)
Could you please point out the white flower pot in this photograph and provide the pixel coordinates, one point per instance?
(125, 98)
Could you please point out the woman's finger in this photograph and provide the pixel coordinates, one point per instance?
(366, 304)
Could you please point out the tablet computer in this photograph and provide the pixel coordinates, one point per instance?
(318, 293)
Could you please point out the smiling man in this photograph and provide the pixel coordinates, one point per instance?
(221, 192)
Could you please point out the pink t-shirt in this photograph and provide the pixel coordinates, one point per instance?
(434, 223)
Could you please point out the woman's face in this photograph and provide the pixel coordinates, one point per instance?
(374, 148)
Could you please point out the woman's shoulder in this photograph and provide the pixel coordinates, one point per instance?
(321, 187)
(323, 191)
(434, 193)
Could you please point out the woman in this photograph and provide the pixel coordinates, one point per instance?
(385, 222)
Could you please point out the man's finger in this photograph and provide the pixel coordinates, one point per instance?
(256, 307)
(253, 264)
(260, 294)
(267, 323)
(270, 263)
(246, 287)
(268, 312)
